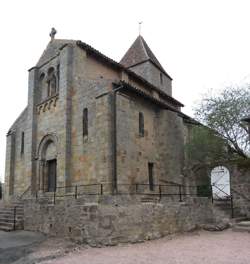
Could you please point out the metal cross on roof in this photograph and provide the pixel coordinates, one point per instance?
(140, 28)
(53, 33)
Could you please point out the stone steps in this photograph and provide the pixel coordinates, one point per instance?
(7, 221)
(149, 199)
(243, 226)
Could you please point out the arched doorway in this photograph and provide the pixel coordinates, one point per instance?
(220, 181)
(48, 164)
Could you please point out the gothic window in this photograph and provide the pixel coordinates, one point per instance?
(85, 122)
(22, 143)
(141, 124)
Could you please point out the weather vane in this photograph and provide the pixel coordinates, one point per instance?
(140, 28)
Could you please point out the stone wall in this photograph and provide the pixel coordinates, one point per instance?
(240, 188)
(113, 220)
(162, 143)
(152, 74)
(15, 156)
(83, 81)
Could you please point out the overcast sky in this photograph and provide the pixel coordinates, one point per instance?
(202, 44)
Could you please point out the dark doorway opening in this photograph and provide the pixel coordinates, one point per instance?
(151, 175)
(51, 175)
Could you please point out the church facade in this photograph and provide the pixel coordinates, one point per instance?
(91, 120)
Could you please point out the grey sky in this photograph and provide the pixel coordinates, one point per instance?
(201, 43)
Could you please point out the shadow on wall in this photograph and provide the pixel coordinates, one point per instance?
(1, 190)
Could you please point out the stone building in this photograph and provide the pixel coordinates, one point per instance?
(92, 120)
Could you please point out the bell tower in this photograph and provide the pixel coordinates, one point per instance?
(140, 59)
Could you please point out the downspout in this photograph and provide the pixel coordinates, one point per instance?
(114, 137)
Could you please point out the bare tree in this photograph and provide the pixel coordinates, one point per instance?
(224, 112)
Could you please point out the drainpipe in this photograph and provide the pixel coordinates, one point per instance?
(114, 137)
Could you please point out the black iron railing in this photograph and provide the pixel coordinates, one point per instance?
(158, 190)
(227, 197)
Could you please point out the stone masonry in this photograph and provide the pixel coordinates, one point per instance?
(46, 147)
(118, 219)
(92, 121)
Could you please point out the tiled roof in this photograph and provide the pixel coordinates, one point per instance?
(160, 103)
(129, 87)
(133, 75)
(55, 45)
(138, 53)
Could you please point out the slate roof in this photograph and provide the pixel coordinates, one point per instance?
(138, 53)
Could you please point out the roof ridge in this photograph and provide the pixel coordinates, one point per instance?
(151, 56)
(143, 45)
(120, 66)
(139, 52)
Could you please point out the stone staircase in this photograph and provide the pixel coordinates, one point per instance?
(150, 199)
(11, 216)
(243, 226)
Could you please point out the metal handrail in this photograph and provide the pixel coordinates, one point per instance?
(213, 185)
(21, 195)
(134, 190)
(229, 196)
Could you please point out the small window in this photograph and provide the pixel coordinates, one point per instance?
(22, 143)
(151, 175)
(58, 75)
(161, 78)
(141, 124)
(52, 85)
(85, 122)
(52, 82)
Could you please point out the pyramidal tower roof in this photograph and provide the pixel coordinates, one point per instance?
(138, 53)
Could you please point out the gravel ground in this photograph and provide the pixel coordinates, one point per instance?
(201, 247)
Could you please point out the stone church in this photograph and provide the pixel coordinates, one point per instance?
(91, 120)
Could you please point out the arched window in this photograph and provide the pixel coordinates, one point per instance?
(52, 85)
(51, 89)
(85, 122)
(141, 124)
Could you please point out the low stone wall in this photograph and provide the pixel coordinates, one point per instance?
(240, 188)
(115, 220)
(241, 198)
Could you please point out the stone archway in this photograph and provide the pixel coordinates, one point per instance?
(47, 156)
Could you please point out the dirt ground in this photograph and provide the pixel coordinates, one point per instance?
(199, 247)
